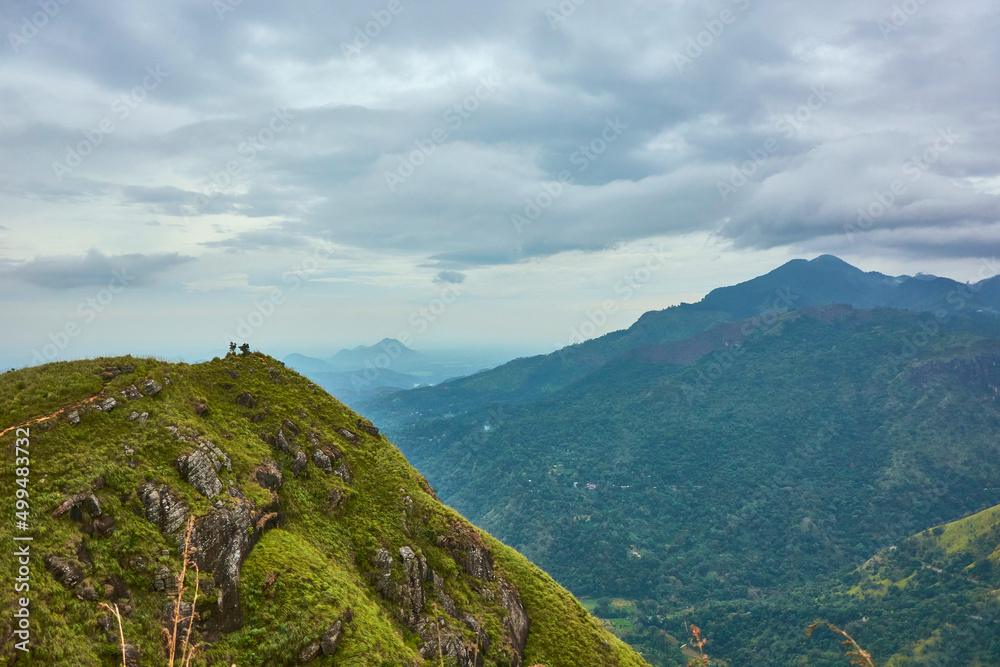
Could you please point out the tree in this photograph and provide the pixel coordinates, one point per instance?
(232, 347)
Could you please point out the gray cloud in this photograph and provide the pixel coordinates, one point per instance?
(94, 269)
(453, 277)
(200, 149)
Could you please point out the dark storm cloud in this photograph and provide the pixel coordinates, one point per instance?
(93, 269)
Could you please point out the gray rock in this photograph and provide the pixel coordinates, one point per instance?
(79, 502)
(85, 591)
(163, 579)
(74, 418)
(309, 653)
(408, 592)
(132, 417)
(516, 623)
(150, 387)
(130, 393)
(198, 470)
(268, 475)
(247, 400)
(66, 573)
(283, 444)
(163, 507)
(143, 417)
(133, 656)
(107, 405)
(331, 638)
(322, 461)
(335, 498)
(223, 540)
(184, 611)
(299, 464)
(343, 471)
(349, 436)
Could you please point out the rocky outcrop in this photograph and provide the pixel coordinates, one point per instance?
(322, 461)
(197, 469)
(299, 463)
(78, 503)
(163, 508)
(331, 638)
(348, 435)
(130, 393)
(468, 549)
(106, 405)
(66, 573)
(343, 471)
(516, 623)
(223, 540)
(73, 418)
(247, 400)
(402, 584)
(367, 427)
(150, 387)
(268, 475)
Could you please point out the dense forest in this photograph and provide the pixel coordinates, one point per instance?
(739, 486)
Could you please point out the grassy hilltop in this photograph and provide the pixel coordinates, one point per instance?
(316, 541)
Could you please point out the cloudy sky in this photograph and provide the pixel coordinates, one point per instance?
(311, 175)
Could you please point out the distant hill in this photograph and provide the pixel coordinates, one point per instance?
(797, 284)
(314, 541)
(365, 372)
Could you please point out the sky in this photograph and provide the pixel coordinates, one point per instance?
(309, 176)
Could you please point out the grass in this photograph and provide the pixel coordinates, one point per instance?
(312, 569)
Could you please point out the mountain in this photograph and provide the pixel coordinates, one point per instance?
(387, 351)
(311, 539)
(797, 284)
(752, 460)
(367, 372)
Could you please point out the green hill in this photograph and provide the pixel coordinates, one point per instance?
(752, 461)
(315, 542)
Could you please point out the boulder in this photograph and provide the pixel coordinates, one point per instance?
(106, 405)
(322, 461)
(150, 387)
(163, 507)
(343, 471)
(74, 418)
(367, 426)
(130, 393)
(309, 653)
(331, 638)
(66, 573)
(299, 464)
(268, 475)
(164, 580)
(247, 400)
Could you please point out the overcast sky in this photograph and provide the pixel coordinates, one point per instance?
(312, 175)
